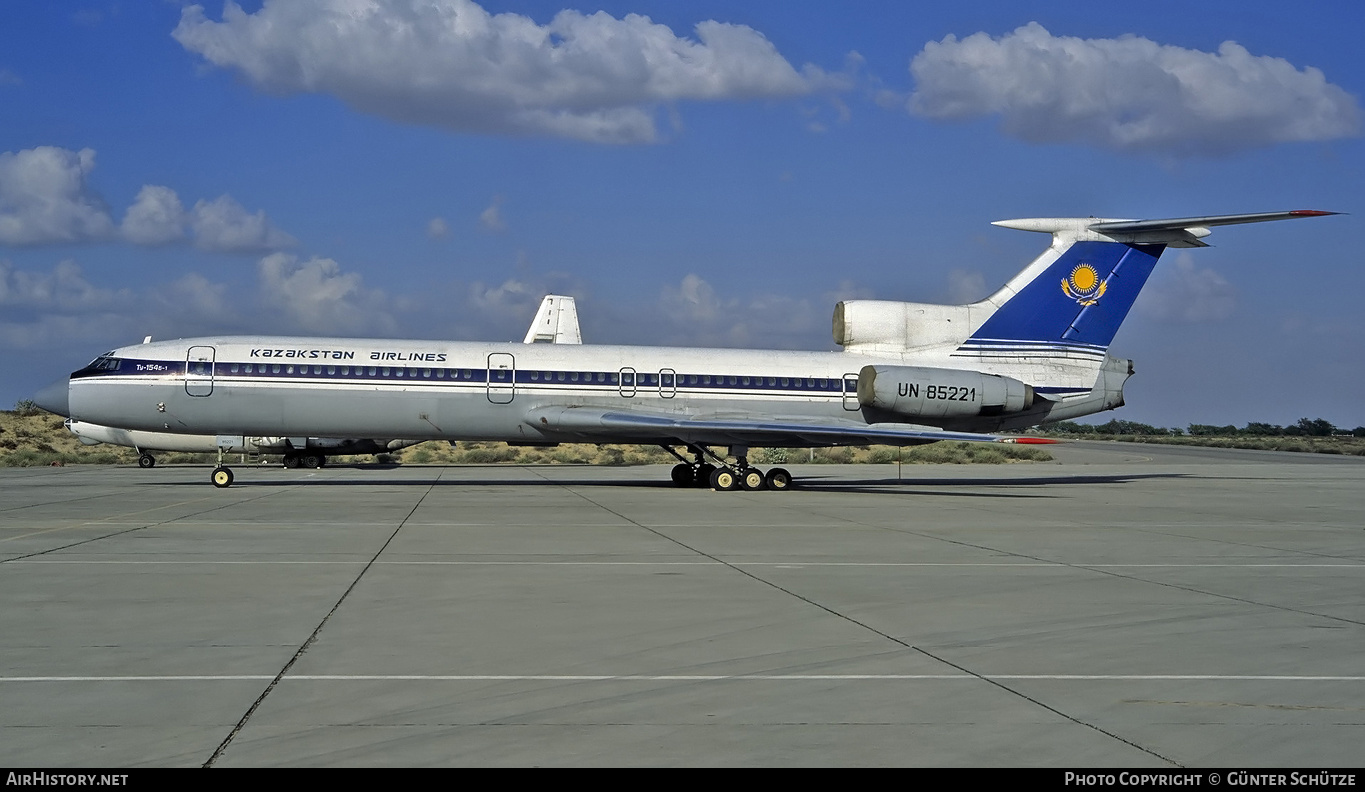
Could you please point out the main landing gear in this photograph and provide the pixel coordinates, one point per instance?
(726, 476)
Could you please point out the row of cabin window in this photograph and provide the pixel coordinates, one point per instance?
(612, 377)
(345, 371)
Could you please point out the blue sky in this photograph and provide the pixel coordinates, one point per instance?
(699, 173)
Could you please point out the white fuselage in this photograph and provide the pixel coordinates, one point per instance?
(442, 390)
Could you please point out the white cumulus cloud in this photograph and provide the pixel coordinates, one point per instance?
(65, 288)
(44, 198)
(1129, 93)
(695, 314)
(966, 286)
(1181, 291)
(156, 217)
(222, 225)
(491, 218)
(452, 64)
(320, 298)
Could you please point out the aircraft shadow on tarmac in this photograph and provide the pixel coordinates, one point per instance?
(871, 486)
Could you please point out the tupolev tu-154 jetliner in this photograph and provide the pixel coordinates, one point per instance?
(1034, 351)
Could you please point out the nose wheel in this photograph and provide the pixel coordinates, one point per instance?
(222, 474)
(145, 460)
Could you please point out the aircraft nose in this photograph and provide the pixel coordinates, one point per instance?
(55, 398)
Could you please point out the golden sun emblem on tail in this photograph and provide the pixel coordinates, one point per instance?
(1084, 285)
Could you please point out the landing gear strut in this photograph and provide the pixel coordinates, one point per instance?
(222, 475)
(726, 476)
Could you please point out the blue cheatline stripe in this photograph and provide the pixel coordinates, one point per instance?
(642, 382)
(1049, 310)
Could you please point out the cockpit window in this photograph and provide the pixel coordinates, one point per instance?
(105, 363)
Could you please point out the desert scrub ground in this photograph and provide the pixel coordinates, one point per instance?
(1352, 446)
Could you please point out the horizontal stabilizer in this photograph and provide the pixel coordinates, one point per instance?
(1172, 232)
(1180, 223)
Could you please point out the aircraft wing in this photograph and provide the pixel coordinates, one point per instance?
(593, 424)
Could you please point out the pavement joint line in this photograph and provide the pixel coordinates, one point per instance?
(1000, 683)
(312, 637)
(136, 526)
(1110, 570)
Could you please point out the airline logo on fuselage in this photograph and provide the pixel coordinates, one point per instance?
(310, 354)
(346, 354)
(429, 357)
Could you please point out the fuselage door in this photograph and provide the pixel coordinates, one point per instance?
(502, 378)
(668, 383)
(851, 392)
(199, 370)
(628, 382)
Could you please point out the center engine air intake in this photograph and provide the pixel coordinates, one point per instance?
(919, 391)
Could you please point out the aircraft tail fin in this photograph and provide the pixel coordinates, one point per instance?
(1066, 305)
(556, 322)
(1071, 300)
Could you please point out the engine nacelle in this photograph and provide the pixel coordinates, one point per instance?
(874, 325)
(919, 391)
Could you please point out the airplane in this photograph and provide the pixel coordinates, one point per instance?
(1033, 352)
(555, 322)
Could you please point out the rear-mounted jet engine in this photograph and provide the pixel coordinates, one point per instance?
(923, 392)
